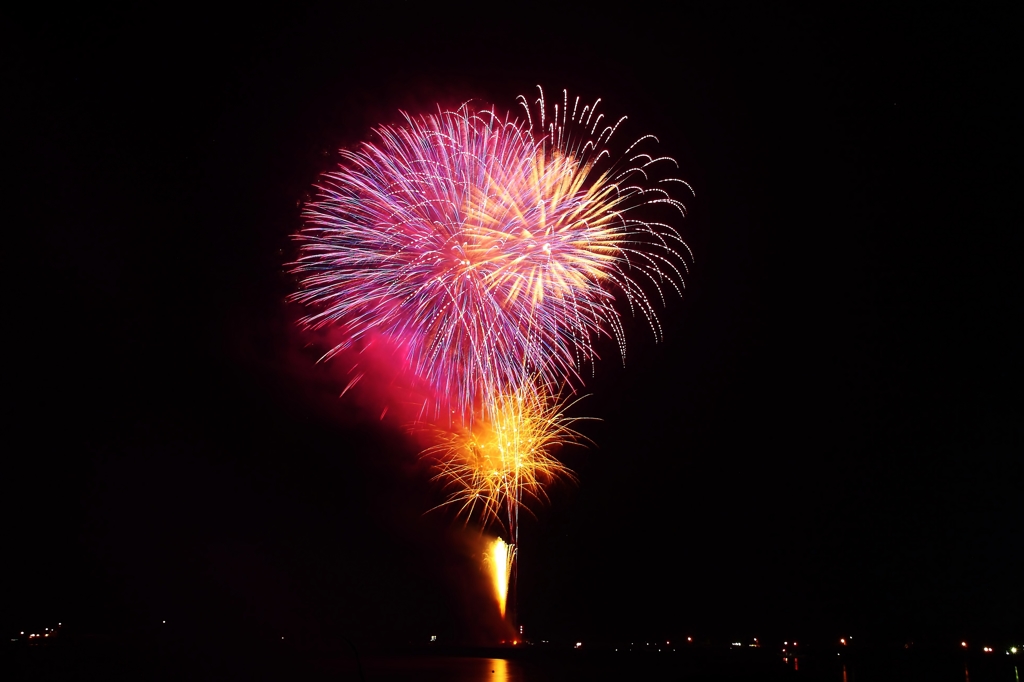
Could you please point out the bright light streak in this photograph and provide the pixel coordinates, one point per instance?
(500, 556)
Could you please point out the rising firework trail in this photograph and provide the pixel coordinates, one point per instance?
(491, 248)
(500, 557)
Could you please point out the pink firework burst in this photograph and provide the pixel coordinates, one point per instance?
(491, 249)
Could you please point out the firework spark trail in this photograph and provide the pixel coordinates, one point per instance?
(501, 557)
(489, 248)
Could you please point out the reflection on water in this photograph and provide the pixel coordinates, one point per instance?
(444, 669)
(501, 671)
(611, 666)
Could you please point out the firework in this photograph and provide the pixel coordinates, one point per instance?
(490, 248)
(493, 468)
(492, 251)
(500, 557)
(499, 466)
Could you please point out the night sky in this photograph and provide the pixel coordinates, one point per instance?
(824, 443)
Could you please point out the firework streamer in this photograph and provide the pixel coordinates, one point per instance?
(500, 557)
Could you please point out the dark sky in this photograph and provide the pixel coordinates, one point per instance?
(825, 442)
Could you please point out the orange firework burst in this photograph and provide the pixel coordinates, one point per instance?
(491, 467)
